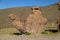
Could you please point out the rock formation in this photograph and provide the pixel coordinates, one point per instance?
(35, 22)
(17, 23)
(58, 23)
(58, 4)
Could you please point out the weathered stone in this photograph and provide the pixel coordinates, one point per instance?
(58, 4)
(35, 22)
(58, 22)
(16, 22)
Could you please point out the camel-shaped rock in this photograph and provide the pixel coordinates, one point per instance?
(35, 22)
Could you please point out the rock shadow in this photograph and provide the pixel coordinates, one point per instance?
(53, 31)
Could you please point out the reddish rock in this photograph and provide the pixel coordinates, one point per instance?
(35, 22)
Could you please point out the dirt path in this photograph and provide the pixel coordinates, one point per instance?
(29, 37)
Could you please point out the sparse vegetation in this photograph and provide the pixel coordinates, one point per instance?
(14, 31)
(8, 31)
(27, 33)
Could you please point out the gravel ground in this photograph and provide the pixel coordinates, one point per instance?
(29, 37)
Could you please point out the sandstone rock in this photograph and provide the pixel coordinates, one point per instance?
(35, 22)
(16, 22)
(58, 23)
(58, 4)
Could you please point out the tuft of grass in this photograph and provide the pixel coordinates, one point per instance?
(44, 33)
(47, 32)
(27, 33)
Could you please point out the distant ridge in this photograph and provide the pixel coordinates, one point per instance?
(50, 12)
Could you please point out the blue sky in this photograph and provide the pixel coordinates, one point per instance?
(20, 3)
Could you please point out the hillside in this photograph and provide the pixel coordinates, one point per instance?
(50, 12)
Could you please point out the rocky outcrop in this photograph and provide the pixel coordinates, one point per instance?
(58, 4)
(17, 23)
(34, 23)
(58, 23)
